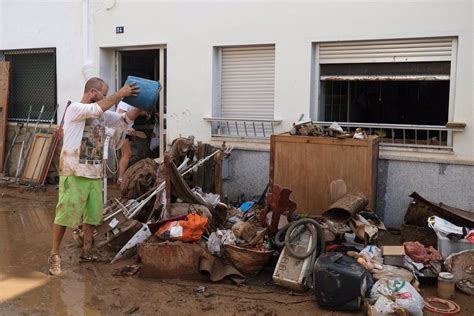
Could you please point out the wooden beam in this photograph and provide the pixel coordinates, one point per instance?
(4, 90)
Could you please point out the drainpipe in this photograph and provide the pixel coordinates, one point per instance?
(87, 66)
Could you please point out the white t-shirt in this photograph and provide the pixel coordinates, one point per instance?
(83, 142)
(125, 107)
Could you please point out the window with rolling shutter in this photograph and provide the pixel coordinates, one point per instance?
(403, 88)
(247, 82)
(386, 51)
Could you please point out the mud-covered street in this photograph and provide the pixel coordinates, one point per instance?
(91, 289)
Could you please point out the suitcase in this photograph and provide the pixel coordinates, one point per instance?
(340, 282)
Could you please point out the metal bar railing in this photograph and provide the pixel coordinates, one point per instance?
(233, 127)
(395, 135)
(404, 135)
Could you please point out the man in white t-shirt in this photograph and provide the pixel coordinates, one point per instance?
(81, 169)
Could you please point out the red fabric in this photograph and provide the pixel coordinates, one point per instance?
(470, 237)
(419, 253)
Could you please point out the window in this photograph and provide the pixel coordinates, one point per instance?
(244, 83)
(33, 83)
(398, 89)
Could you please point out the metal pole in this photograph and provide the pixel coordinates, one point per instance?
(19, 126)
(55, 144)
(22, 146)
(30, 140)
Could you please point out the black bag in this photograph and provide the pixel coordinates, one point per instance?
(340, 282)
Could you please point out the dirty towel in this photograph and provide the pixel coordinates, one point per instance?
(190, 229)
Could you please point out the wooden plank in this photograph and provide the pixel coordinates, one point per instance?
(309, 164)
(218, 173)
(37, 156)
(4, 90)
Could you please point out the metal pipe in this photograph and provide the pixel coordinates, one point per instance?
(30, 141)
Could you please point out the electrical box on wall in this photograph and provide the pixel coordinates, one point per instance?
(119, 30)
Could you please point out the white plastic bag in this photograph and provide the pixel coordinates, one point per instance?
(443, 227)
(212, 199)
(336, 127)
(406, 296)
(384, 306)
(219, 238)
(373, 252)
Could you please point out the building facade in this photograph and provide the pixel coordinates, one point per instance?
(239, 71)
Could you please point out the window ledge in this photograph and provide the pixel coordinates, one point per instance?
(401, 154)
(429, 156)
(255, 144)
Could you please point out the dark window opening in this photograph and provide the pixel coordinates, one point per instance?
(390, 102)
(388, 93)
(143, 64)
(32, 83)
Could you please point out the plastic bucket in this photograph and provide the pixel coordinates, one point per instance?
(148, 96)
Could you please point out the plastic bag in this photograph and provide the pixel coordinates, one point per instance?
(444, 227)
(212, 199)
(336, 127)
(219, 238)
(402, 293)
(384, 306)
(373, 252)
(190, 229)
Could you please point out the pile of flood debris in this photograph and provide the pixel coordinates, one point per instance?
(172, 215)
(309, 128)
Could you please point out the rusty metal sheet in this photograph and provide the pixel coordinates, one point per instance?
(421, 209)
(345, 208)
(425, 235)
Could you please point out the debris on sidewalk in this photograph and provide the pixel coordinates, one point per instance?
(173, 215)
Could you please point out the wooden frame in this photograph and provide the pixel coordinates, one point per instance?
(307, 165)
(4, 90)
(37, 158)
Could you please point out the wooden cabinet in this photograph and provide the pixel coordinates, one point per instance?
(307, 165)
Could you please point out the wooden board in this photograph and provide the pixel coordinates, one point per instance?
(4, 90)
(307, 165)
(36, 159)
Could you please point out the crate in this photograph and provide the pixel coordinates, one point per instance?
(447, 247)
(307, 165)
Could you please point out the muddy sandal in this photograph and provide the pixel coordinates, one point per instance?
(54, 264)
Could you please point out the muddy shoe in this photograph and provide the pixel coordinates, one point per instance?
(54, 264)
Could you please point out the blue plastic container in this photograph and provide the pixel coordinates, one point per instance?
(148, 96)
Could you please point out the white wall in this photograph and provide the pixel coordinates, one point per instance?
(191, 29)
(37, 24)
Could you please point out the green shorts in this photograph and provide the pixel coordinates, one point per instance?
(80, 201)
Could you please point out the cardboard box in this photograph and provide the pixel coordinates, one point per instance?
(393, 255)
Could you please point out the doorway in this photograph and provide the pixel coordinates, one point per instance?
(148, 64)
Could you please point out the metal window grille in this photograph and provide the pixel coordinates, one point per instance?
(32, 83)
(242, 127)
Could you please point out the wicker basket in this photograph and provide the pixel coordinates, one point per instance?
(247, 261)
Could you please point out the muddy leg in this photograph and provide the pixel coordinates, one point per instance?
(88, 231)
(58, 234)
(126, 154)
